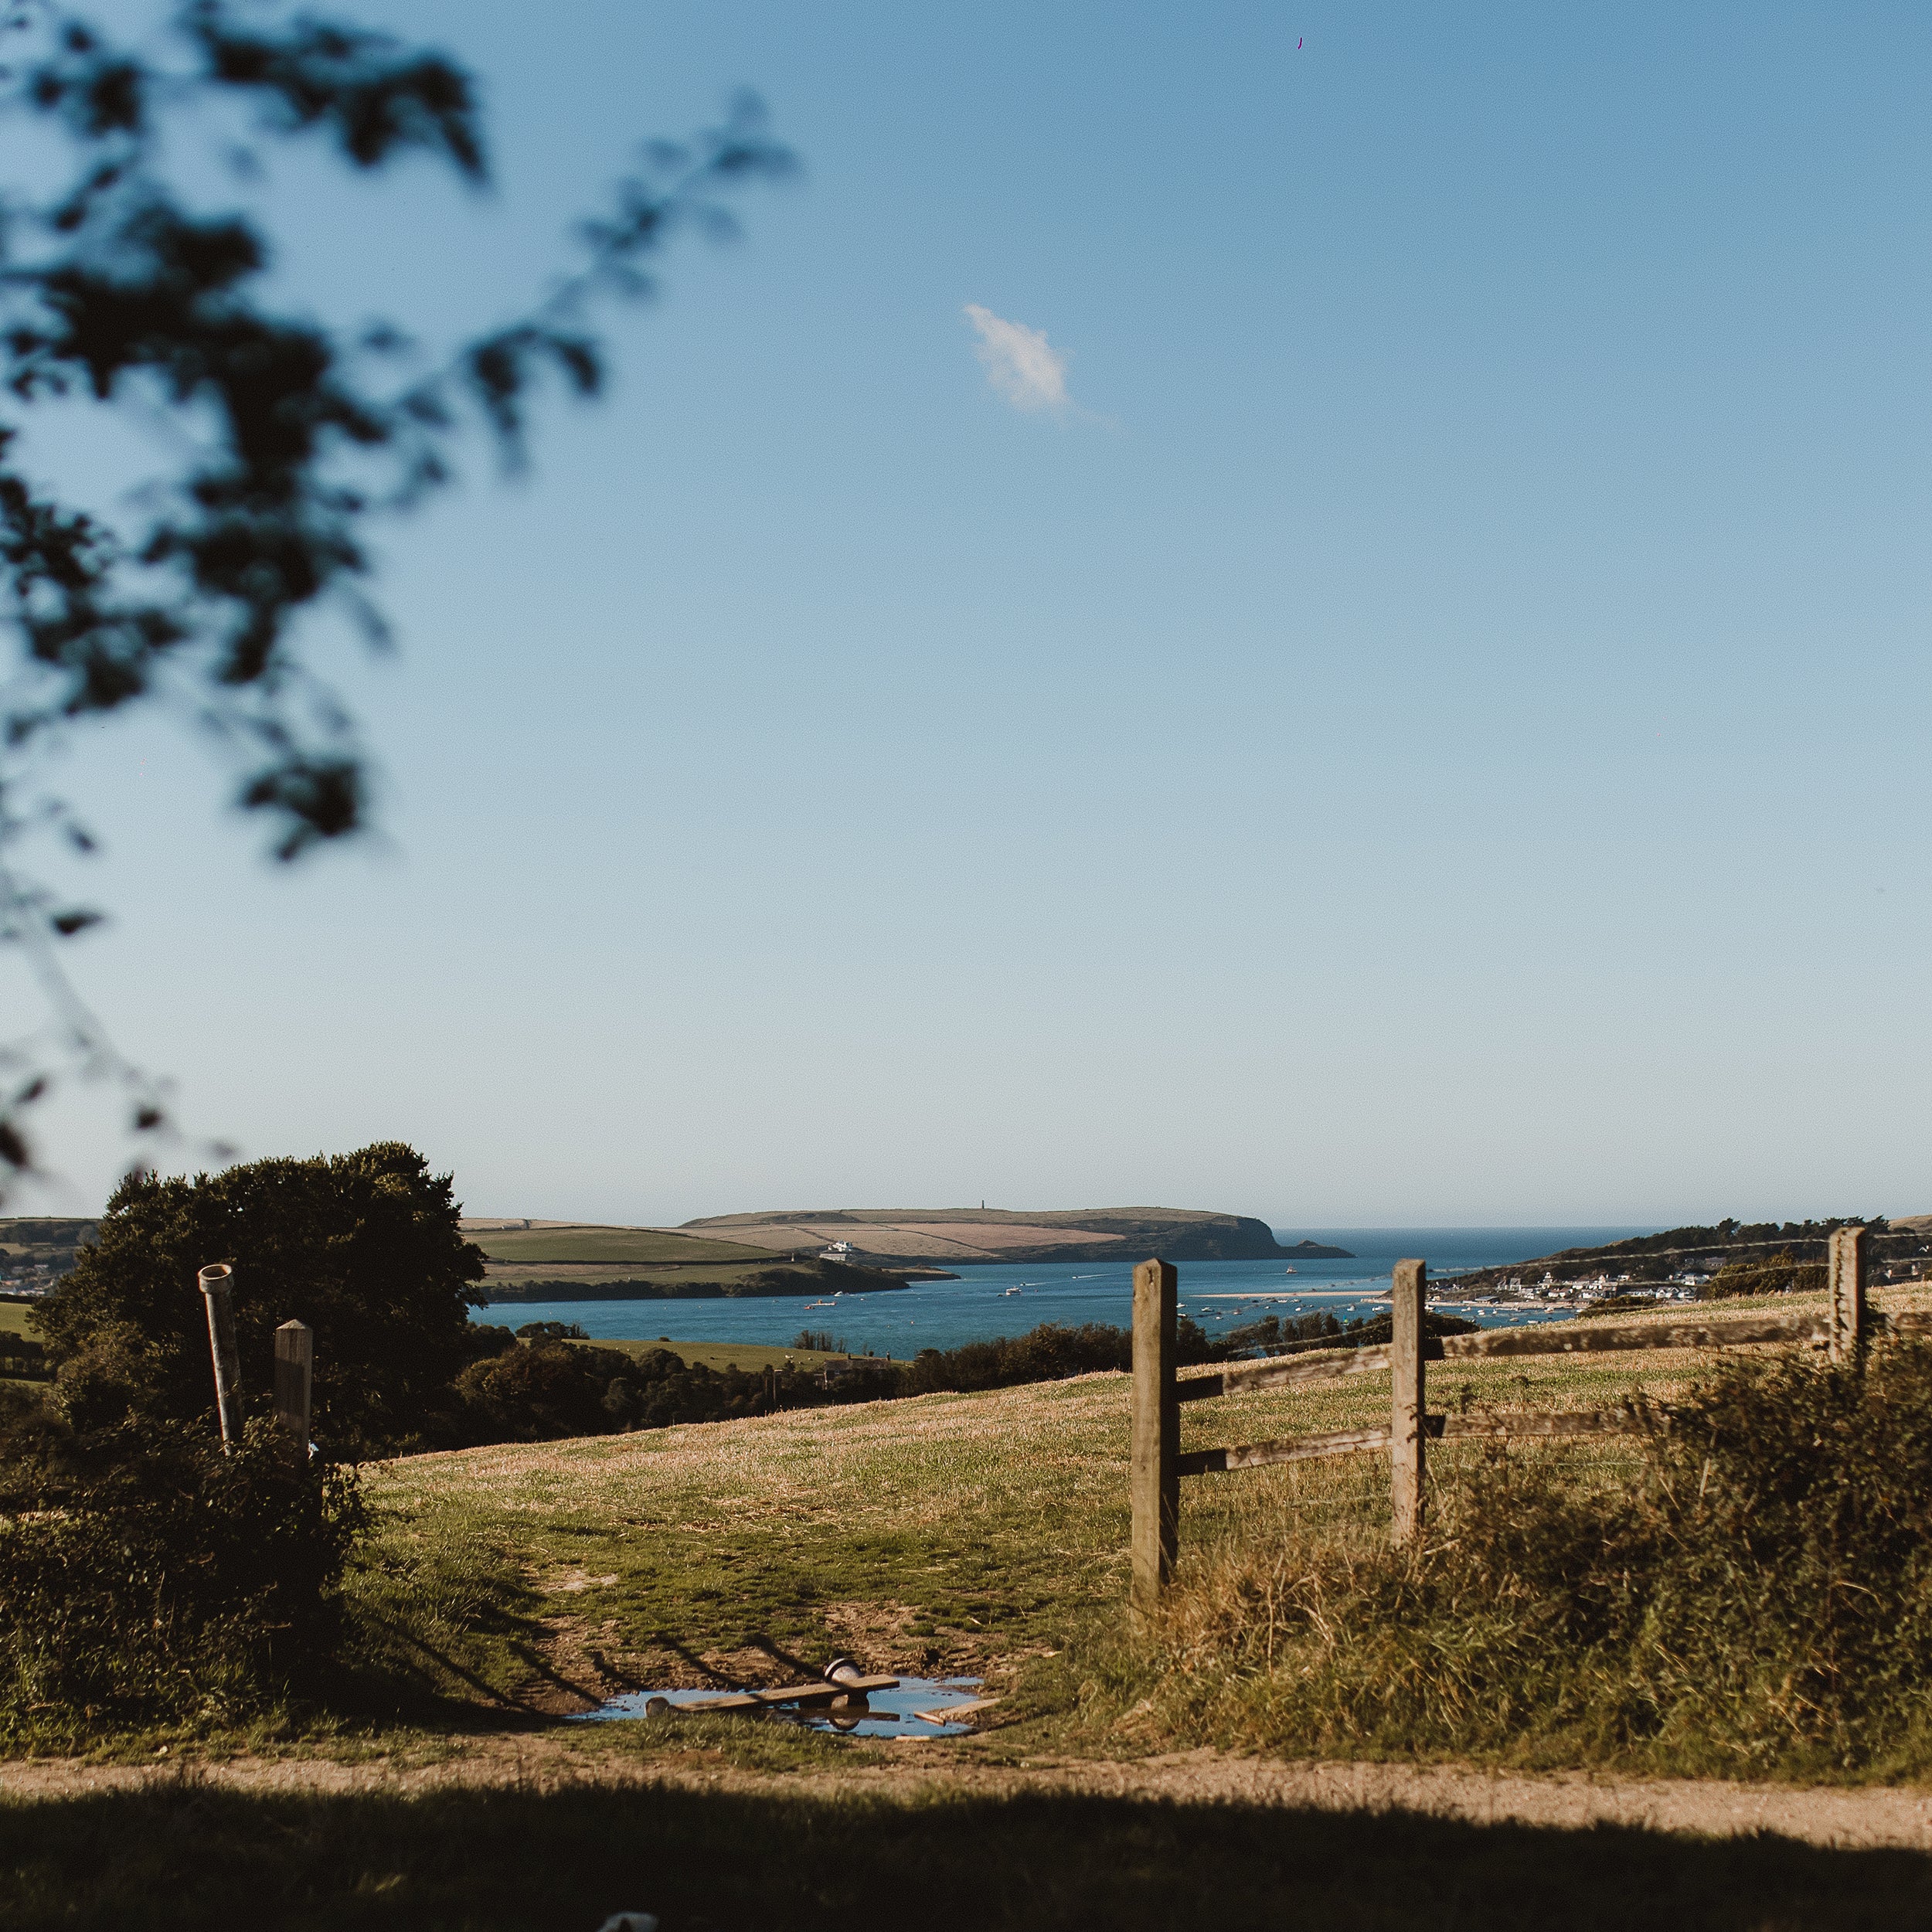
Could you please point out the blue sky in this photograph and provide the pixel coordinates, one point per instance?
(1432, 729)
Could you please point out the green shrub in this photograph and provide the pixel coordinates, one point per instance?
(1758, 1601)
(147, 1578)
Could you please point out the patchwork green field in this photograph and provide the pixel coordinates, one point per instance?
(607, 1246)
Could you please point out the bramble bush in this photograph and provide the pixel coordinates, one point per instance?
(147, 1578)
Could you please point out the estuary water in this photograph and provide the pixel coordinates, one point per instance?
(997, 1300)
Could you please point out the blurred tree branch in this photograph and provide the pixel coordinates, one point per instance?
(289, 438)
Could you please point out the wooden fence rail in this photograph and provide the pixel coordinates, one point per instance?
(1158, 1465)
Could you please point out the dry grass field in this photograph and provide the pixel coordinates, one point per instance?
(958, 1532)
(983, 1533)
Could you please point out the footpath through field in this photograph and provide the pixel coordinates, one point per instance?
(1842, 1819)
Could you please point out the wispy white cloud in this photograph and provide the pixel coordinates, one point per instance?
(1020, 363)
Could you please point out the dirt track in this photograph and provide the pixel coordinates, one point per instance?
(1872, 1816)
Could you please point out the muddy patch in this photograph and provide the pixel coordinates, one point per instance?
(577, 1664)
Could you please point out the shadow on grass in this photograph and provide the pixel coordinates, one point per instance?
(188, 1854)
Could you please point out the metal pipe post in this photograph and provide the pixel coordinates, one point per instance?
(216, 1288)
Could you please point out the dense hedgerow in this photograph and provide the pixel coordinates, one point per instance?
(147, 1578)
(1758, 1601)
(1320, 1330)
(549, 1389)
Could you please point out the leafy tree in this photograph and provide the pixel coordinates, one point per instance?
(364, 1247)
(282, 438)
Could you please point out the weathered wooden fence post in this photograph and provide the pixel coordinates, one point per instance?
(294, 1380)
(215, 1289)
(1156, 1480)
(1845, 1274)
(1405, 1401)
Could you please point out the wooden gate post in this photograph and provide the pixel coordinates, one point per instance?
(294, 1380)
(1406, 1402)
(1156, 1451)
(1845, 1276)
(216, 1284)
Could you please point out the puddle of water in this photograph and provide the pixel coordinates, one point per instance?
(888, 1713)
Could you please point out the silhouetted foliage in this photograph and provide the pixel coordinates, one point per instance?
(364, 1247)
(284, 437)
(539, 1392)
(146, 1577)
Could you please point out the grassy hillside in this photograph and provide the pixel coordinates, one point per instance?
(982, 1533)
(41, 1244)
(942, 1236)
(979, 1531)
(1898, 1251)
(564, 1281)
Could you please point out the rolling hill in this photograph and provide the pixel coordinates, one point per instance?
(947, 1237)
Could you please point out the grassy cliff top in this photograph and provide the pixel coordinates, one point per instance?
(969, 1235)
(1052, 1217)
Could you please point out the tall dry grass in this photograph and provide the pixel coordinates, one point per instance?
(1747, 1591)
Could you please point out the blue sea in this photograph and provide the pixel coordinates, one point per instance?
(997, 1300)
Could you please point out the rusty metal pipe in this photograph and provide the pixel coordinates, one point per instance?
(216, 1284)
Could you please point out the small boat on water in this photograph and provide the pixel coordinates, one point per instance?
(811, 1305)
